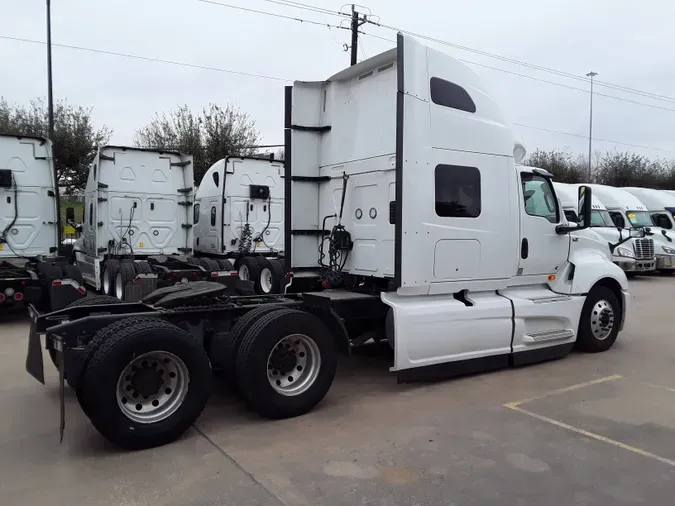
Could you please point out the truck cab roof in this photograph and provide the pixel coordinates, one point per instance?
(655, 200)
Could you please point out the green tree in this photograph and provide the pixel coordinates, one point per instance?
(75, 141)
(213, 134)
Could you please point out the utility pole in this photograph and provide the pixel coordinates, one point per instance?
(357, 21)
(50, 113)
(590, 128)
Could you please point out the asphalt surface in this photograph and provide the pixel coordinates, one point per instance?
(585, 430)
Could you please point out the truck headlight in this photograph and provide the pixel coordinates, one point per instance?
(625, 252)
(670, 251)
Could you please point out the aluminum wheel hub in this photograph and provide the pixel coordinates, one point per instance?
(152, 387)
(293, 365)
(602, 320)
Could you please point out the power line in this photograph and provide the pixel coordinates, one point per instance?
(533, 66)
(585, 137)
(148, 58)
(266, 13)
(307, 7)
(612, 97)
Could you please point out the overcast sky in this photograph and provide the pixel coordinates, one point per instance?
(627, 43)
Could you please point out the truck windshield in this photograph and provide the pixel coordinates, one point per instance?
(601, 219)
(640, 218)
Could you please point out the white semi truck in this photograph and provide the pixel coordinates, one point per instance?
(137, 226)
(30, 269)
(631, 250)
(239, 219)
(627, 211)
(660, 204)
(400, 171)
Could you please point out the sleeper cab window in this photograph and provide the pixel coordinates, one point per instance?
(196, 211)
(458, 193)
(538, 197)
(450, 95)
(216, 179)
(213, 216)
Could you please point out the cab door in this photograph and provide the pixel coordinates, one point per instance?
(542, 249)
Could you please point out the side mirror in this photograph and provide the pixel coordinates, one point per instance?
(70, 214)
(78, 229)
(584, 206)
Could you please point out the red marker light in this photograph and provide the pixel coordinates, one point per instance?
(18, 296)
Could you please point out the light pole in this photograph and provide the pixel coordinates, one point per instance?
(50, 115)
(590, 128)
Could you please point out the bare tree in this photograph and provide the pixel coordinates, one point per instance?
(564, 167)
(209, 136)
(75, 136)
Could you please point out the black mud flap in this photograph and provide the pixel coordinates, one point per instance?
(62, 391)
(34, 363)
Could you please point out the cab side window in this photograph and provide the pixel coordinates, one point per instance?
(539, 197)
(196, 211)
(662, 220)
(617, 219)
(571, 216)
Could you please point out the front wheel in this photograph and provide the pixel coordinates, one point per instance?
(286, 363)
(146, 382)
(600, 320)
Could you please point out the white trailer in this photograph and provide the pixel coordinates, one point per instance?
(631, 251)
(403, 199)
(137, 227)
(239, 218)
(628, 211)
(30, 269)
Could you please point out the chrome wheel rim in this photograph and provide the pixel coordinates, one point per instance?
(266, 280)
(119, 287)
(293, 365)
(602, 320)
(243, 272)
(152, 387)
(106, 281)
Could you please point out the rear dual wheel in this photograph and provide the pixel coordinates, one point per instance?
(145, 382)
(266, 273)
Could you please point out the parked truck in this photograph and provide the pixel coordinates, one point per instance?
(137, 229)
(239, 219)
(30, 269)
(400, 178)
(660, 204)
(630, 248)
(628, 211)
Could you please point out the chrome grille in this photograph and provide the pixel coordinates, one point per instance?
(644, 249)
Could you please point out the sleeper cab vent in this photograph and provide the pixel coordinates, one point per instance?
(370, 73)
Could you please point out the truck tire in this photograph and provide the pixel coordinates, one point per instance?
(72, 272)
(249, 270)
(146, 382)
(108, 276)
(142, 267)
(225, 265)
(193, 260)
(599, 322)
(232, 344)
(286, 363)
(125, 274)
(209, 264)
(271, 273)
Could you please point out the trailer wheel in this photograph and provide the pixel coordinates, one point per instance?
(110, 269)
(142, 267)
(125, 274)
(225, 265)
(209, 264)
(239, 330)
(599, 322)
(146, 382)
(72, 272)
(249, 270)
(286, 363)
(271, 273)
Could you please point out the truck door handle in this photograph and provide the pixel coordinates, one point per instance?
(524, 248)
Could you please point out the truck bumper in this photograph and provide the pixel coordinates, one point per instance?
(633, 265)
(626, 302)
(665, 262)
